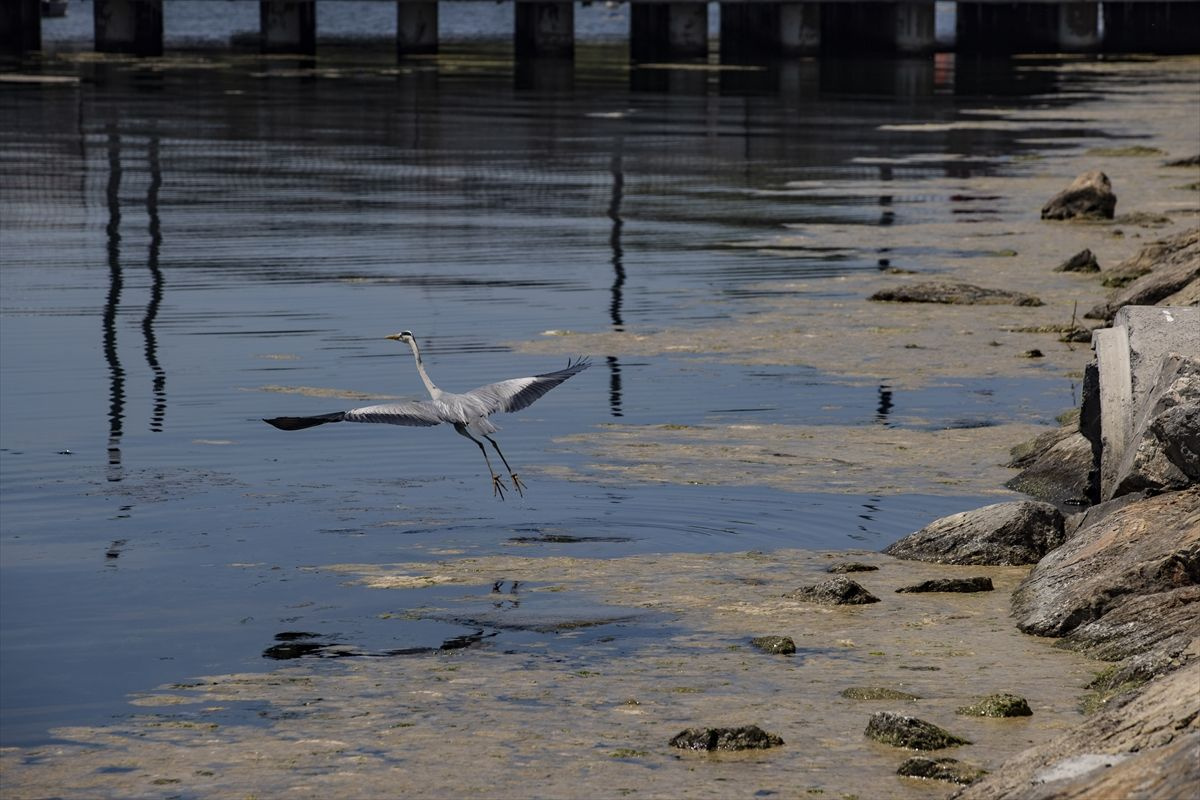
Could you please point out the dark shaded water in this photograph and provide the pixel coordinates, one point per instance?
(179, 234)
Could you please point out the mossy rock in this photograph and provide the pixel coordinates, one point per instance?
(941, 769)
(776, 645)
(876, 693)
(747, 737)
(851, 566)
(901, 730)
(839, 591)
(998, 705)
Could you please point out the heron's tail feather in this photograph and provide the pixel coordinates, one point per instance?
(300, 423)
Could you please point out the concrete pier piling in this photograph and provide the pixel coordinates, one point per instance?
(129, 26)
(544, 29)
(288, 26)
(671, 29)
(416, 27)
(20, 25)
(668, 30)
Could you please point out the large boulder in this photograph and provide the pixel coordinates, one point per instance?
(1057, 468)
(1164, 450)
(1013, 533)
(1143, 548)
(1090, 196)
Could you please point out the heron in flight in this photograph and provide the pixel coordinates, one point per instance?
(467, 412)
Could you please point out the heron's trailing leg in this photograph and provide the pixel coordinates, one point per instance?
(515, 480)
(497, 481)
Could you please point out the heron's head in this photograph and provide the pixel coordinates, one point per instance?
(402, 336)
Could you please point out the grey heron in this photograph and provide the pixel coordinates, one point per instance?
(467, 412)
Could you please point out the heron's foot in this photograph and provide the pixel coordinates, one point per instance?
(497, 486)
(517, 483)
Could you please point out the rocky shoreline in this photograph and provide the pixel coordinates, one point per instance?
(1119, 581)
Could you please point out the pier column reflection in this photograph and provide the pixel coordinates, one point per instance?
(156, 289)
(112, 302)
(616, 168)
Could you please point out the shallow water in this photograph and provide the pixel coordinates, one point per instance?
(193, 243)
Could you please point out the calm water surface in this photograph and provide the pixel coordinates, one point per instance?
(180, 235)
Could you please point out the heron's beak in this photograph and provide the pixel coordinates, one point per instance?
(393, 336)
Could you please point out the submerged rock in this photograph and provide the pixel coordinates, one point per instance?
(901, 730)
(1089, 196)
(747, 737)
(851, 566)
(1008, 534)
(1083, 261)
(976, 584)
(834, 592)
(876, 693)
(940, 769)
(954, 294)
(781, 645)
(998, 705)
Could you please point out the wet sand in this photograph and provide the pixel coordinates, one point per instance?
(619, 655)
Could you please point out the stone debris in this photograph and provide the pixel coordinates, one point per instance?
(953, 294)
(834, 592)
(901, 730)
(1089, 196)
(998, 705)
(747, 737)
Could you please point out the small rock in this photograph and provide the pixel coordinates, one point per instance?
(747, 737)
(1076, 335)
(851, 566)
(1034, 353)
(1090, 196)
(976, 584)
(1190, 161)
(900, 730)
(781, 645)
(998, 705)
(953, 294)
(940, 769)
(1003, 534)
(834, 592)
(876, 693)
(1083, 261)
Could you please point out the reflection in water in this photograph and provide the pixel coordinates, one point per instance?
(616, 166)
(116, 391)
(885, 405)
(156, 290)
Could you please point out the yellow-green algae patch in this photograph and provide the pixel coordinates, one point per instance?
(802, 458)
(496, 720)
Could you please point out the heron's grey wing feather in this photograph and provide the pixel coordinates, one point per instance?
(414, 413)
(515, 394)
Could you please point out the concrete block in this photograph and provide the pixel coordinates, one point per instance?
(1130, 357)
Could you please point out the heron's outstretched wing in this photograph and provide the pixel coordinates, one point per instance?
(414, 413)
(517, 393)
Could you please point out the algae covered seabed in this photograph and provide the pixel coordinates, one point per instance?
(573, 673)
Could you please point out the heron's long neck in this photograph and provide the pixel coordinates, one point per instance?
(434, 391)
